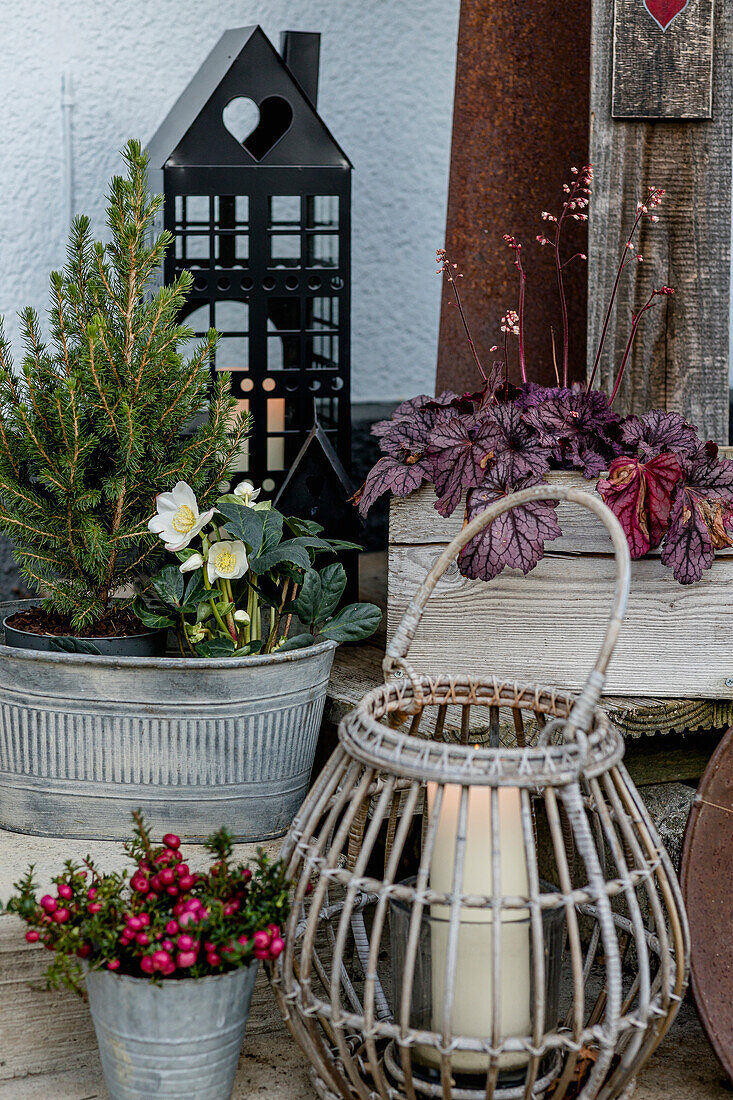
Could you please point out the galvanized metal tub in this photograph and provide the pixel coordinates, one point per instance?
(193, 743)
(170, 1039)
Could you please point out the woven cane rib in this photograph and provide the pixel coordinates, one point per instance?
(361, 853)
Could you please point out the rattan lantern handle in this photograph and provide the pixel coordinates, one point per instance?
(399, 646)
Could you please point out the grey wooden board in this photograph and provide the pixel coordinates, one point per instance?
(358, 669)
(662, 73)
(548, 626)
(680, 358)
(414, 520)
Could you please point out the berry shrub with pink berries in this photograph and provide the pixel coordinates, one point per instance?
(163, 920)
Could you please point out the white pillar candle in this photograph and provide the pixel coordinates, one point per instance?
(473, 999)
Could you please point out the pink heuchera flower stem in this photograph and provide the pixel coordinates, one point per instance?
(447, 268)
(653, 199)
(635, 321)
(517, 250)
(574, 206)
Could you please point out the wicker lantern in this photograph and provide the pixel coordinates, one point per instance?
(475, 919)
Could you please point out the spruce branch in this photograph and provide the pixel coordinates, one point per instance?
(98, 420)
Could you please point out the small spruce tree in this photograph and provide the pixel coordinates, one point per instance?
(98, 420)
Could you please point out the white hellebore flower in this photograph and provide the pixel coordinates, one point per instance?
(227, 559)
(178, 518)
(247, 491)
(194, 561)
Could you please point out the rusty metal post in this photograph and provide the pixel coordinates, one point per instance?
(520, 120)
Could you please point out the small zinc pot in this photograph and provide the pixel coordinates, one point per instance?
(149, 643)
(170, 1039)
(194, 743)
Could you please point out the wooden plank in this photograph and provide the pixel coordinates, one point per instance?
(548, 626)
(413, 520)
(661, 68)
(680, 361)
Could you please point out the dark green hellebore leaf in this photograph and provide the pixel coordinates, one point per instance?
(353, 623)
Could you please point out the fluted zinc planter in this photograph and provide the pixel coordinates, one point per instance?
(195, 743)
(172, 1039)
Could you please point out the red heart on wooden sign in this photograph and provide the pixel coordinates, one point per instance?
(663, 12)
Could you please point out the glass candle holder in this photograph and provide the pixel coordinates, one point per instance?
(472, 1003)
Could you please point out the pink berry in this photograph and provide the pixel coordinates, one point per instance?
(171, 927)
(84, 951)
(156, 884)
(142, 938)
(113, 964)
(231, 907)
(95, 907)
(139, 883)
(32, 936)
(144, 919)
(48, 903)
(244, 940)
(187, 918)
(185, 943)
(171, 840)
(276, 947)
(65, 891)
(246, 875)
(261, 953)
(147, 965)
(167, 945)
(134, 924)
(173, 891)
(185, 958)
(61, 915)
(273, 929)
(213, 959)
(185, 882)
(182, 869)
(161, 959)
(261, 940)
(92, 893)
(167, 876)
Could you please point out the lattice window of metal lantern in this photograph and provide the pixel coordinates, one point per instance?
(264, 228)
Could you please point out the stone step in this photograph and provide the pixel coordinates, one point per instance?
(44, 1032)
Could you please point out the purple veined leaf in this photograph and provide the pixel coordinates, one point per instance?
(406, 408)
(516, 539)
(531, 393)
(457, 454)
(581, 428)
(408, 437)
(702, 515)
(658, 432)
(389, 475)
(518, 451)
(640, 496)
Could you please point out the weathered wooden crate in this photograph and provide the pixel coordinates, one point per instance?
(676, 641)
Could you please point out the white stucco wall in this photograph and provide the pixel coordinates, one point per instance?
(386, 91)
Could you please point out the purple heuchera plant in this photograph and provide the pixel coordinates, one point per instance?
(664, 484)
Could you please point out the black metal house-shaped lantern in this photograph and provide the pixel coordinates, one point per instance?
(257, 196)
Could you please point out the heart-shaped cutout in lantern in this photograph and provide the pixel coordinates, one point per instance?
(258, 128)
(664, 12)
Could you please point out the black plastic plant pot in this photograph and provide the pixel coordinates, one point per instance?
(150, 643)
